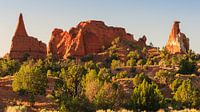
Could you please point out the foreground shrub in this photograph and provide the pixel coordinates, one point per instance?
(31, 79)
(146, 96)
(187, 66)
(106, 97)
(76, 104)
(122, 74)
(175, 84)
(8, 67)
(164, 76)
(115, 64)
(91, 85)
(68, 90)
(131, 62)
(16, 109)
(105, 75)
(138, 79)
(187, 95)
(45, 110)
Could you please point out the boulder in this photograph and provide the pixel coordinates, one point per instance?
(24, 45)
(177, 42)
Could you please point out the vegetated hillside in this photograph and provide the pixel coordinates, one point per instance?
(122, 76)
(10, 98)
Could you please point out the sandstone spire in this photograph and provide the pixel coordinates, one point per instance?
(177, 42)
(175, 31)
(24, 45)
(21, 30)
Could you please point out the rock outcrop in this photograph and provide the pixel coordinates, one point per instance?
(177, 42)
(24, 45)
(86, 38)
(142, 41)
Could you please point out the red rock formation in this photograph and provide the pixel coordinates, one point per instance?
(142, 41)
(86, 38)
(23, 44)
(21, 30)
(177, 42)
(57, 44)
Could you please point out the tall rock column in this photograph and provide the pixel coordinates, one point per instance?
(177, 41)
(24, 45)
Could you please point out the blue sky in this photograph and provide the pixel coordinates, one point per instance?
(152, 18)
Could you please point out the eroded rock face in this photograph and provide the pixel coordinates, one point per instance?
(142, 41)
(22, 44)
(58, 43)
(86, 38)
(177, 42)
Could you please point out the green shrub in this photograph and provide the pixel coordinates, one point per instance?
(31, 79)
(16, 109)
(105, 75)
(90, 65)
(107, 62)
(8, 67)
(187, 66)
(149, 61)
(138, 79)
(115, 64)
(164, 76)
(106, 97)
(141, 62)
(72, 78)
(147, 96)
(122, 74)
(91, 85)
(76, 104)
(175, 84)
(69, 89)
(187, 95)
(45, 110)
(131, 62)
(134, 55)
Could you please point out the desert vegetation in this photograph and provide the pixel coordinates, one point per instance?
(142, 80)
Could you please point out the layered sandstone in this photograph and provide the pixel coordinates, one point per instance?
(177, 42)
(22, 44)
(87, 37)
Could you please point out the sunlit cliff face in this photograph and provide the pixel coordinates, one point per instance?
(177, 42)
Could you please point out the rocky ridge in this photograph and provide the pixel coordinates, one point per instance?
(87, 37)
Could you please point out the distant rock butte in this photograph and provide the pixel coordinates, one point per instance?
(177, 42)
(86, 38)
(23, 44)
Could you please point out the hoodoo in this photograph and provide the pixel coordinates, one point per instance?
(86, 38)
(177, 42)
(22, 44)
